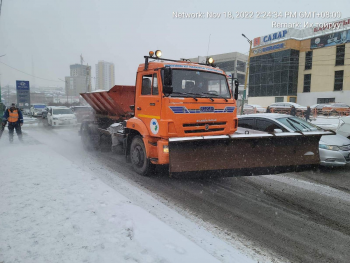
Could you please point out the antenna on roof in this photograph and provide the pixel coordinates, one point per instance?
(208, 45)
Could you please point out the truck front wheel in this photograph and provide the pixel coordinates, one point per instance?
(140, 163)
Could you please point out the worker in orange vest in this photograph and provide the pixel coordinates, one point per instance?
(14, 117)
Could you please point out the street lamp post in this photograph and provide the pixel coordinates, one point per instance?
(246, 74)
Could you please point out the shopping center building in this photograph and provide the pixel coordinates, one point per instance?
(306, 66)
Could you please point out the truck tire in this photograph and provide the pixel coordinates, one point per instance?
(140, 163)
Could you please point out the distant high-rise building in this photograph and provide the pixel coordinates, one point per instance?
(79, 80)
(105, 78)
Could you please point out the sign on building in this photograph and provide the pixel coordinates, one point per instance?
(23, 94)
(268, 39)
(333, 39)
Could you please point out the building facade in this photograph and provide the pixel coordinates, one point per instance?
(306, 66)
(105, 75)
(234, 64)
(79, 80)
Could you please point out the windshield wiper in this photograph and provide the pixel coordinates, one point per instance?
(218, 96)
(302, 124)
(185, 93)
(200, 95)
(291, 124)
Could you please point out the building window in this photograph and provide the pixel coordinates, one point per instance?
(274, 74)
(339, 60)
(307, 82)
(338, 80)
(241, 66)
(325, 100)
(227, 65)
(308, 60)
(293, 99)
(278, 99)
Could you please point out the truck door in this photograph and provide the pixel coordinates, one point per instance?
(148, 104)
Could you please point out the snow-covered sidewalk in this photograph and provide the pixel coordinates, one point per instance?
(53, 211)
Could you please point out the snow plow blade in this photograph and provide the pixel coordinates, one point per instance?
(244, 151)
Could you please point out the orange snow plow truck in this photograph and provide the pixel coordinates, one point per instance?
(184, 115)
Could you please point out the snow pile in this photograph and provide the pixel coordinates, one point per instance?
(53, 211)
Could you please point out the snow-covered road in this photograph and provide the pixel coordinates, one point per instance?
(55, 208)
(294, 217)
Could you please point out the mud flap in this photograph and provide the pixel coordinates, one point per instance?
(241, 151)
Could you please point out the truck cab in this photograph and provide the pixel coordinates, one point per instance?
(178, 100)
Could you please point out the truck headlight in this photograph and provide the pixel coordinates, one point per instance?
(329, 147)
(165, 148)
(158, 53)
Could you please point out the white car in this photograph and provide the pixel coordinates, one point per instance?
(60, 116)
(37, 109)
(344, 127)
(334, 149)
(287, 105)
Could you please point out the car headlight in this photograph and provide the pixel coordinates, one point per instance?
(329, 147)
(54, 118)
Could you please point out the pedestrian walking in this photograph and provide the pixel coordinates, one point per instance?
(268, 109)
(293, 111)
(307, 113)
(14, 117)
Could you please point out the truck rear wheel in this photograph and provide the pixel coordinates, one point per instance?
(140, 163)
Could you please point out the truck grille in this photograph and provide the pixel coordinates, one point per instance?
(202, 127)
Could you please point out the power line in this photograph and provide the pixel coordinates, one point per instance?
(28, 73)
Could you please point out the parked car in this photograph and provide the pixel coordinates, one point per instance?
(287, 105)
(334, 149)
(61, 116)
(344, 127)
(81, 112)
(333, 109)
(37, 109)
(338, 105)
(253, 108)
(318, 106)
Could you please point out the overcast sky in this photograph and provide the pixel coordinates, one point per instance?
(45, 36)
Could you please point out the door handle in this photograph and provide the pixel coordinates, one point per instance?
(138, 108)
(152, 104)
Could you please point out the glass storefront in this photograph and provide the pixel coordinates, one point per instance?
(274, 74)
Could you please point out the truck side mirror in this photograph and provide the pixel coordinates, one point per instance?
(168, 81)
(236, 88)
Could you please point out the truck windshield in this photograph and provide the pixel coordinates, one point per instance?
(205, 84)
(297, 124)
